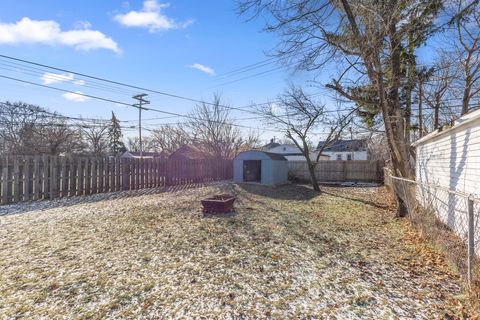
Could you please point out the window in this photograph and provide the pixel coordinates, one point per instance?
(349, 157)
(284, 149)
(339, 157)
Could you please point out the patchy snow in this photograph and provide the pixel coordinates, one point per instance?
(288, 252)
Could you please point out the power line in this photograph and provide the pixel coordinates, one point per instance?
(50, 114)
(248, 77)
(118, 83)
(89, 84)
(247, 108)
(129, 105)
(234, 71)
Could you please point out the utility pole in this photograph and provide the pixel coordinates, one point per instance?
(139, 106)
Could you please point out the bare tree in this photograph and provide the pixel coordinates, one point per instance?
(168, 138)
(437, 89)
(366, 38)
(211, 127)
(377, 147)
(17, 122)
(95, 135)
(466, 49)
(366, 41)
(133, 144)
(29, 129)
(298, 115)
(58, 138)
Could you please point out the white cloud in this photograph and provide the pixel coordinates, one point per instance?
(203, 68)
(150, 17)
(51, 78)
(49, 32)
(74, 96)
(79, 82)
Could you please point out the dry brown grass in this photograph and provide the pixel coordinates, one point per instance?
(288, 252)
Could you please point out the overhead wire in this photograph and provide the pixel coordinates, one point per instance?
(130, 105)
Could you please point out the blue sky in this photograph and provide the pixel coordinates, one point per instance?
(182, 47)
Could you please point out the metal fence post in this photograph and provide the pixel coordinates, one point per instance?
(471, 239)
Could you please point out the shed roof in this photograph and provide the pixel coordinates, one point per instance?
(275, 156)
(260, 154)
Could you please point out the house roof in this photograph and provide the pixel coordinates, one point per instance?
(285, 145)
(190, 152)
(345, 145)
(146, 154)
(270, 145)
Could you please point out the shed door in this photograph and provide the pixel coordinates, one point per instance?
(252, 170)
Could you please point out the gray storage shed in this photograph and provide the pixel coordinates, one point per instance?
(260, 167)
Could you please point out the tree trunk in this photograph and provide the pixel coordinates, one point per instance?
(420, 109)
(436, 116)
(409, 87)
(391, 111)
(313, 177)
(401, 208)
(466, 99)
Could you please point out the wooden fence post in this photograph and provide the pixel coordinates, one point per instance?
(36, 177)
(46, 177)
(118, 185)
(471, 239)
(53, 178)
(26, 179)
(79, 177)
(72, 177)
(16, 179)
(88, 176)
(112, 162)
(5, 198)
(94, 176)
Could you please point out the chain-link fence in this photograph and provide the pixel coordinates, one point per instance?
(448, 218)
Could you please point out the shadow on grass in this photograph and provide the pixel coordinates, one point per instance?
(358, 199)
(23, 207)
(284, 192)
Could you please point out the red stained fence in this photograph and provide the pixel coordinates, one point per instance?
(25, 178)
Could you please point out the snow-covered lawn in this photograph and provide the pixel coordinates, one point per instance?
(288, 252)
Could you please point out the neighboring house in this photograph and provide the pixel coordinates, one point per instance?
(449, 159)
(270, 145)
(188, 152)
(355, 149)
(291, 152)
(146, 155)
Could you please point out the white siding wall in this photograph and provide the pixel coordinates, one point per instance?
(285, 149)
(357, 155)
(451, 159)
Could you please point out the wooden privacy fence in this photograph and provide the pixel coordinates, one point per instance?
(339, 171)
(25, 178)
